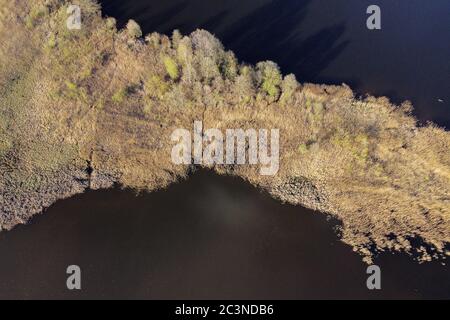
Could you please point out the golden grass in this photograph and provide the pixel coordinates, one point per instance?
(109, 100)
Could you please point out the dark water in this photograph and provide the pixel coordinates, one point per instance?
(217, 237)
(209, 237)
(325, 41)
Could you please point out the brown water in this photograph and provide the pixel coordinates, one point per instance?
(210, 237)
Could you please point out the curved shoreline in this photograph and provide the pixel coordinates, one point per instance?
(97, 107)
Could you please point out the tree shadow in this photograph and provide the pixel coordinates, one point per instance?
(140, 11)
(273, 32)
(269, 32)
(215, 21)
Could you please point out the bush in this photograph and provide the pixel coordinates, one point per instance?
(171, 68)
(120, 96)
(176, 38)
(156, 87)
(111, 23)
(230, 66)
(35, 15)
(270, 77)
(133, 29)
(74, 92)
(288, 88)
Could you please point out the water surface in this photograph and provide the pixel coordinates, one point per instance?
(210, 237)
(214, 237)
(324, 41)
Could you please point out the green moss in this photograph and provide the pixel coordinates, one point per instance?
(245, 70)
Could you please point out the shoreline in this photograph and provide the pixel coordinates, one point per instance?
(96, 107)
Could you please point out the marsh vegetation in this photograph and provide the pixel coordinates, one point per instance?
(92, 107)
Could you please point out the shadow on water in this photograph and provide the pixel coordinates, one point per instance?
(324, 41)
(271, 33)
(233, 241)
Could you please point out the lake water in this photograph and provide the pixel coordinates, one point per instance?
(210, 237)
(214, 237)
(324, 41)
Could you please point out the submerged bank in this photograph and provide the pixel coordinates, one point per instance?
(93, 107)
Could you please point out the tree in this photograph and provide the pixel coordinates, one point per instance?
(154, 39)
(171, 67)
(208, 69)
(111, 23)
(166, 43)
(133, 29)
(156, 87)
(176, 38)
(230, 66)
(185, 56)
(244, 85)
(207, 45)
(288, 87)
(209, 54)
(270, 77)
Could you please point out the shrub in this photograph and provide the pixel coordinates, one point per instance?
(230, 66)
(120, 96)
(35, 15)
(156, 87)
(176, 38)
(288, 87)
(270, 77)
(171, 68)
(133, 29)
(74, 92)
(111, 23)
(302, 148)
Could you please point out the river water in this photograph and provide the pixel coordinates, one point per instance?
(215, 237)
